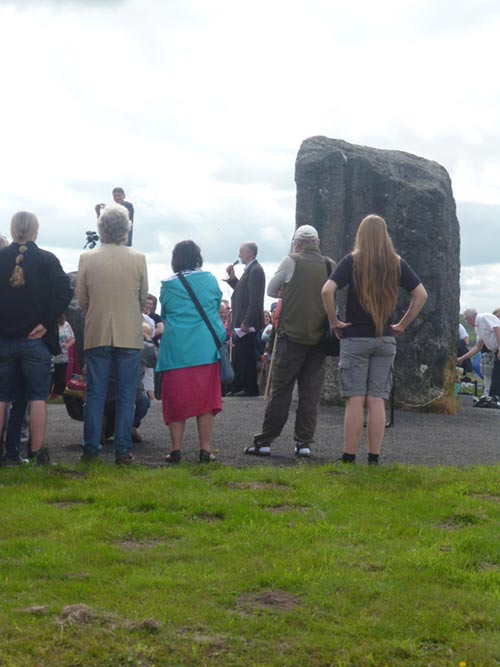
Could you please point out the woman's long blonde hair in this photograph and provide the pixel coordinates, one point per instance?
(376, 271)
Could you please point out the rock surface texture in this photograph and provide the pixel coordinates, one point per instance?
(338, 184)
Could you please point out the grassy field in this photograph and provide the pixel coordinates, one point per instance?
(338, 566)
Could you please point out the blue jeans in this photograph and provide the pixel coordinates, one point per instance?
(125, 363)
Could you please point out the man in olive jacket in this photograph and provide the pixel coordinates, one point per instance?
(299, 354)
(247, 318)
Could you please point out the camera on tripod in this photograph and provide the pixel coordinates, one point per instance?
(92, 239)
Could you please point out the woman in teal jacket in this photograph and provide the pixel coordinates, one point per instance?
(188, 358)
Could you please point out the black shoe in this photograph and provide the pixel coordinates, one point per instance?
(483, 402)
(41, 457)
(125, 459)
(174, 456)
(85, 457)
(11, 462)
(302, 450)
(205, 456)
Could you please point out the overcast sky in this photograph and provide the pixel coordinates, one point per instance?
(198, 110)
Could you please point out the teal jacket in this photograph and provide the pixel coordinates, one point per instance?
(186, 340)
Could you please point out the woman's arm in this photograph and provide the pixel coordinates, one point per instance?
(418, 298)
(328, 295)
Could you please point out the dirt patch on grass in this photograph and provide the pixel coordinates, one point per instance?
(372, 567)
(36, 609)
(487, 496)
(457, 521)
(63, 504)
(488, 566)
(268, 600)
(282, 509)
(149, 625)
(257, 486)
(136, 545)
(211, 517)
(81, 614)
(214, 645)
(78, 614)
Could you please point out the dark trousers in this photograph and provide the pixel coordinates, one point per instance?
(245, 365)
(495, 377)
(304, 364)
(60, 378)
(17, 414)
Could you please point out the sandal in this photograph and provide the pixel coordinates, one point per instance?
(258, 450)
(174, 456)
(206, 456)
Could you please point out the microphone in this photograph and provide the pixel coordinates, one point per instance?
(236, 261)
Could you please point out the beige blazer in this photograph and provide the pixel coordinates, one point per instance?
(112, 286)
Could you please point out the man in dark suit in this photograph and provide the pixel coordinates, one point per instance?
(247, 318)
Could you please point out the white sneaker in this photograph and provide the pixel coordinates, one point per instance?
(258, 450)
(302, 450)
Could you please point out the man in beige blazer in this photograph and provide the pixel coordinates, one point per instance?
(112, 288)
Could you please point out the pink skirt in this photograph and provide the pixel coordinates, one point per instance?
(191, 392)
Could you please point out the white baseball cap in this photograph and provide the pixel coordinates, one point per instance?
(305, 232)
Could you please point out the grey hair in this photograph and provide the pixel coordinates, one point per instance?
(24, 227)
(3, 241)
(302, 243)
(251, 247)
(114, 225)
(470, 312)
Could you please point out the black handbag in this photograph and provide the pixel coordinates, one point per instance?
(331, 344)
(226, 370)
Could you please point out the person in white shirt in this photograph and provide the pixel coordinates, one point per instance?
(487, 327)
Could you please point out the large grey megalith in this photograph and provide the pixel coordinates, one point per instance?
(338, 184)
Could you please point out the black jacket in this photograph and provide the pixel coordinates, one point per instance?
(247, 302)
(44, 296)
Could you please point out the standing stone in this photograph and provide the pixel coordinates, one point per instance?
(338, 184)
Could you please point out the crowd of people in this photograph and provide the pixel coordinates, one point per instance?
(134, 355)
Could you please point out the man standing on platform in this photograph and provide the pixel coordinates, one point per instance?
(247, 318)
(119, 198)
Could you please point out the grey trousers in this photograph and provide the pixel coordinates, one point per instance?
(304, 364)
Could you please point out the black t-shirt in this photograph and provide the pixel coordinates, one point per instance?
(362, 324)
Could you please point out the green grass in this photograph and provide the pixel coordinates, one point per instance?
(316, 566)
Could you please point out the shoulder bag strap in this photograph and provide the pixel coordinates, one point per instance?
(199, 308)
